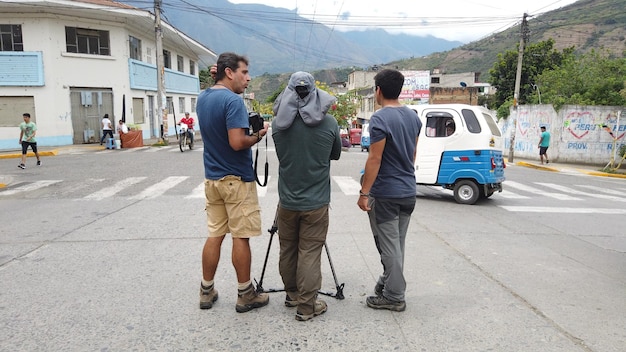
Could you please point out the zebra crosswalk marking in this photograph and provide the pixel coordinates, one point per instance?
(525, 188)
(581, 193)
(30, 187)
(606, 211)
(348, 185)
(510, 195)
(197, 192)
(158, 189)
(613, 192)
(112, 190)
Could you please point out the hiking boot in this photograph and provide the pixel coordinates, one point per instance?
(320, 308)
(38, 162)
(378, 289)
(248, 299)
(289, 302)
(208, 295)
(381, 302)
(21, 166)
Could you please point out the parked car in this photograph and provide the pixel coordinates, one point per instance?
(355, 136)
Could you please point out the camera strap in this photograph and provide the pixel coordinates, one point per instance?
(267, 166)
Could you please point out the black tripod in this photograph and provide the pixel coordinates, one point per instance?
(259, 284)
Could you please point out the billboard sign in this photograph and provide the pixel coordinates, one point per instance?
(416, 85)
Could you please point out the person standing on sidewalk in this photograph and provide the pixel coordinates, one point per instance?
(28, 130)
(544, 143)
(232, 205)
(388, 189)
(306, 140)
(107, 128)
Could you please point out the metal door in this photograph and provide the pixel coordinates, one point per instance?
(88, 108)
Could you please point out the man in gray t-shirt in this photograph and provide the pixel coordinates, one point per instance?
(388, 189)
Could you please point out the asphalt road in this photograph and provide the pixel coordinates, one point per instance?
(100, 250)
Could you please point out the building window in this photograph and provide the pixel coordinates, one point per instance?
(135, 48)
(87, 41)
(167, 59)
(180, 63)
(181, 105)
(192, 67)
(193, 104)
(11, 37)
(149, 55)
(434, 80)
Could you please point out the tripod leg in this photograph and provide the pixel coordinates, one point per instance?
(339, 294)
(259, 284)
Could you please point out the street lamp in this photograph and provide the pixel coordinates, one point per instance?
(538, 92)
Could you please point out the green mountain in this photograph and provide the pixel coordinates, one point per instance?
(585, 24)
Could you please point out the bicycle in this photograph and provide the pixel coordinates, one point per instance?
(184, 138)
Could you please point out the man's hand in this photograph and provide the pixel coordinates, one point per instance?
(362, 202)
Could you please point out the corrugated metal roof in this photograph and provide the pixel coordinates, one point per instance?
(108, 3)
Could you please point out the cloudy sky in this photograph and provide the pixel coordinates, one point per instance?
(462, 20)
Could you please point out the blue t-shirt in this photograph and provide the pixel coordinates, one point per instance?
(400, 127)
(220, 110)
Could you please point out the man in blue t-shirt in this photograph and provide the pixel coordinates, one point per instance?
(388, 189)
(544, 143)
(232, 205)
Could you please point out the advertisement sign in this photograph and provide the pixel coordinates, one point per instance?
(416, 85)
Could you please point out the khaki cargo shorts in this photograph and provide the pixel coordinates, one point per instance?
(232, 206)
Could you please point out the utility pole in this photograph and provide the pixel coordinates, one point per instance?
(160, 69)
(518, 77)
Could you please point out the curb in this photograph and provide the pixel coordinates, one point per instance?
(535, 166)
(52, 152)
(605, 174)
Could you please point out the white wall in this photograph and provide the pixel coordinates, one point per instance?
(576, 132)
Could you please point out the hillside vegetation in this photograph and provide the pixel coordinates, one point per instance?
(585, 25)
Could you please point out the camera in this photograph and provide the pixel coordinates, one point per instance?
(256, 122)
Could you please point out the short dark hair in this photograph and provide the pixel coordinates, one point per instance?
(25, 114)
(543, 127)
(390, 83)
(228, 60)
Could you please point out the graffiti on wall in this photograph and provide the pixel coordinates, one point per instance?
(584, 125)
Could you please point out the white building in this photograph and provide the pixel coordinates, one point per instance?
(68, 63)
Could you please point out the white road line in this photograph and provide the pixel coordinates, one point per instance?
(29, 187)
(610, 191)
(606, 211)
(529, 189)
(348, 185)
(112, 190)
(197, 192)
(580, 193)
(132, 150)
(156, 149)
(159, 188)
(510, 195)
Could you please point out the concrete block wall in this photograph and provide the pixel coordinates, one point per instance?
(577, 132)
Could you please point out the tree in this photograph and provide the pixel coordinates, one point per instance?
(538, 57)
(591, 79)
(205, 79)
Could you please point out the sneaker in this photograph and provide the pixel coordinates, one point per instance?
(248, 299)
(21, 166)
(547, 161)
(38, 162)
(381, 302)
(290, 302)
(208, 295)
(378, 289)
(320, 308)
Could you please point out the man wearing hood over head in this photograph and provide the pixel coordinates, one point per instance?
(306, 140)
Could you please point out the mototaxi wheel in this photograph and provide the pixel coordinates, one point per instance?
(466, 192)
